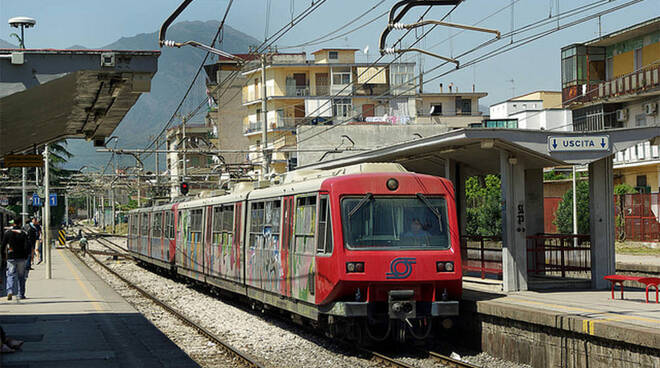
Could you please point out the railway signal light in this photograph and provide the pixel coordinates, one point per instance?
(184, 188)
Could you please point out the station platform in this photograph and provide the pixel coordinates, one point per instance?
(567, 328)
(75, 319)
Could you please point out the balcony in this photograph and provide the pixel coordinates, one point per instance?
(618, 89)
(297, 91)
(280, 124)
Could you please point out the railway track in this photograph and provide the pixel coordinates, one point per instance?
(373, 355)
(449, 361)
(247, 359)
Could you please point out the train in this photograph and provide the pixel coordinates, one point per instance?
(366, 252)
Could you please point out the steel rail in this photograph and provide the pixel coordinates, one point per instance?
(245, 357)
(449, 361)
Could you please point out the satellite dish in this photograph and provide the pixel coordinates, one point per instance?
(22, 21)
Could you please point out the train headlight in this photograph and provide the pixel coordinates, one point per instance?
(444, 266)
(392, 184)
(352, 267)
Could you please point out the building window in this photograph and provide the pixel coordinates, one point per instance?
(637, 59)
(341, 78)
(342, 107)
(333, 55)
(436, 109)
(466, 107)
(640, 120)
(641, 180)
(609, 68)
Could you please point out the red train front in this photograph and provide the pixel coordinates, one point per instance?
(395, 263)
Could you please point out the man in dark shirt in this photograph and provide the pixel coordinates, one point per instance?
(32, 235)
(15, 246)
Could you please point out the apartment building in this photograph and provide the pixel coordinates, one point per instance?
(224, 85)
(534, 110)
(331, 105)
(613, 82)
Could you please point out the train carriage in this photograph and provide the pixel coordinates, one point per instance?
(367, 251)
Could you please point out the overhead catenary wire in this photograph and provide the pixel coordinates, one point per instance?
(499, 51)
(263, 46)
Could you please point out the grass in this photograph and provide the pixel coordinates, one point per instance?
(637, 248)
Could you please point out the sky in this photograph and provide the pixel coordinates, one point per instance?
(534, 66)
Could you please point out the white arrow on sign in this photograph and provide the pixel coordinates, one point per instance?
(579, 143)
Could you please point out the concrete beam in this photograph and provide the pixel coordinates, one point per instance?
(514, 245)
(601, 221)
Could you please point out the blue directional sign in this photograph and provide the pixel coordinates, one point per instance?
(36, 201)
(52, 200)
(579, 143)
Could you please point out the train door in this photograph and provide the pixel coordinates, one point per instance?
(237, 256)
(208, 241)
(287, 239)
(304, 247)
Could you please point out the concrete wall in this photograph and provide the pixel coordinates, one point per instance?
(541, 345)
(344, 57)
(229, 119)
(364, 136)
(549, 119)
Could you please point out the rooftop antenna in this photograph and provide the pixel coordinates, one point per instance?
(513, 87)
(22, 23)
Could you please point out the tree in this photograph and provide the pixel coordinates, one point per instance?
(564, 214)
(484, 209)
(620, 222)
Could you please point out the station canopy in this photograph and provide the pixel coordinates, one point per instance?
(48, 95)
(476, 149)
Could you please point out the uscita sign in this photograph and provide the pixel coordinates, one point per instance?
(579, 143)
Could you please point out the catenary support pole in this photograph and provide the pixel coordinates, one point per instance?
(575, 224)
(49, 264)
(264, 127)
(24, 194)
(66, 209)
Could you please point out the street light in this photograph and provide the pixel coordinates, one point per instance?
(22, 23)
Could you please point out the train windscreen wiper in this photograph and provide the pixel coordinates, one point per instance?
(428, 204)
(364, 200)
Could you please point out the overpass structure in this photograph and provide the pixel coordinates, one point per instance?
(519, 157)
(47, 95)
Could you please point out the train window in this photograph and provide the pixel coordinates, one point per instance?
(256, 225)
(395, 222)
(324, 244)
(170, 225)
(144, 224)
(265, 224)
(305, 220)
(228, 218)
(156, 219)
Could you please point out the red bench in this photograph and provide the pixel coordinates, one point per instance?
(648, 281)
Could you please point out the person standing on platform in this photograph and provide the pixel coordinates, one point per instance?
(15, 244)
(38, 251)
(32, 235)
(3, 257)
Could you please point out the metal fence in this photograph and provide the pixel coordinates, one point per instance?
(638, 217)
(481, 255)
(559, 255)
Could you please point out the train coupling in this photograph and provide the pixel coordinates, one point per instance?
(401, 304)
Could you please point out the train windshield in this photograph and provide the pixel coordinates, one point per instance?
(395, 222)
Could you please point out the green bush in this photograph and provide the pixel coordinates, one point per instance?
(564, 214)
(484, 209)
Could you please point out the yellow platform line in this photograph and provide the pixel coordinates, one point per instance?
(77, 276)
(589, 323)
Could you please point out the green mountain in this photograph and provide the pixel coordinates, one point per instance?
(176, 68)
(7, 45)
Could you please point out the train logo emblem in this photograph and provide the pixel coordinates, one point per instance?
(400, 272)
